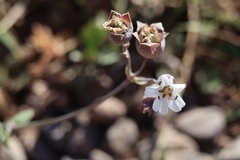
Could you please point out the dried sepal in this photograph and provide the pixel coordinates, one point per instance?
(119, 27)
(150, 40)
(146, 105)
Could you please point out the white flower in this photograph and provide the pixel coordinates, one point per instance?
(166, 94)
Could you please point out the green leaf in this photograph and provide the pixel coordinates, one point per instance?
(5, 132)
(23, 116)
(11, 43)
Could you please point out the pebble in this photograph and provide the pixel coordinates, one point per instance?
(108, 110)
(122, 135)
(171, 139)
(144, 148)
(202, 123)
(36, 148)
(80, 141)
(231, 150)
(98, 154)
(14, 150)
(187, 155)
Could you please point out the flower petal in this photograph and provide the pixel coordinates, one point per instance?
(163, 43)
(126, 19)
(179, 102)
(139, 25)
(113, 13)
(157, 104)
(164, 107)
(178, 88)
(171, 80)
(151, 91)
(174, 107)
(165, 81)
(135, 34)
(159, 26)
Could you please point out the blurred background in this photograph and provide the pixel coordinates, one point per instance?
(56, 58)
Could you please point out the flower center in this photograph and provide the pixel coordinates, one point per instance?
(166, 91)
(149, 34)
(116, 25)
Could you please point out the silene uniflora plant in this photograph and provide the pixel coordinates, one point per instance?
(160, 94)
(163, 93)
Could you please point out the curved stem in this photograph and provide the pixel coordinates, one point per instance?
(141, 68)
(49, 121)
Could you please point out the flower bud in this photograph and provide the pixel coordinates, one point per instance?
(150, 40)
(146, 105)
(119, 27)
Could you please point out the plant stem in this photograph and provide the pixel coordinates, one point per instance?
(73, 114)
(141, 68)
(67, 116)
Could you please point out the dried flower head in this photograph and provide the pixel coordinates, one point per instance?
(150, 40)
(119, 27)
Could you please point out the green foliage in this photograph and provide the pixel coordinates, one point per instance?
(209, 80)
(11, 43)
(234, 114)
(93, 36)
(4, 133)
(109, 55)
(23, 116)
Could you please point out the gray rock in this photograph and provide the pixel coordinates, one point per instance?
(122, 135)
(171, 139)
(108, 110)
(55, 134)
(202, 123)
(98, 154)
(81, 141)
(144, 148)
(187, 155)
(36, 148)
(14, 151)
(230, 151)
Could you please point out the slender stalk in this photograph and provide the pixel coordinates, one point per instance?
(73, 114)
(141, 68)
(50, 121)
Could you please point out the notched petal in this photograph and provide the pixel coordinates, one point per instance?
(179, 102)
(157, 104)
